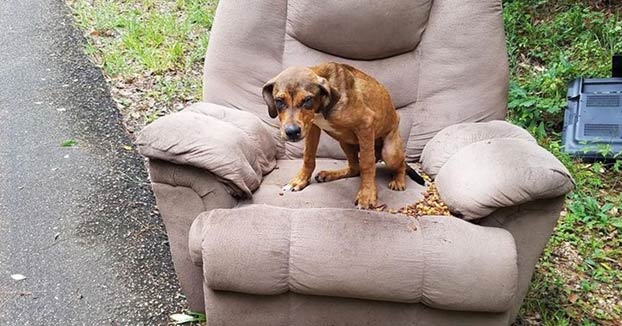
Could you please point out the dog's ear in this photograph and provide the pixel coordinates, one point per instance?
(330, 96)
(267, 96)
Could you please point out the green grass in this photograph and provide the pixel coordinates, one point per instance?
(151, 49)
(156, 38)
(152, 54)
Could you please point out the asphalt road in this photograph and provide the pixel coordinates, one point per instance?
(78, 222)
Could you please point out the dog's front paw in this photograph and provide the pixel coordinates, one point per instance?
(296, 184)
(366, 199)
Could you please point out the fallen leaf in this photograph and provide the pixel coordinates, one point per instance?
(127, 148)
(187, 317)
(69, 143)
(18, 277)
(181, 318)
(573, 298)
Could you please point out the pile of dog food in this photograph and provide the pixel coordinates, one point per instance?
(430, 204)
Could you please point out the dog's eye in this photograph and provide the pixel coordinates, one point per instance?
(307, 102)
(279, 104)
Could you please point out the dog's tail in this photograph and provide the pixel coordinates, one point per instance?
(414, 175)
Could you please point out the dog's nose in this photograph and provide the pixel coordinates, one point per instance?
(292, 131)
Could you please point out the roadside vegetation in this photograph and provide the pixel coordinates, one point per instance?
(151, 53)
(579, 278)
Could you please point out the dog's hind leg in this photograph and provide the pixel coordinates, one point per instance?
(393, 156)
(352, 170)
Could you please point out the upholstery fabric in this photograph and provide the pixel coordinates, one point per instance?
(456, 72)
(398, 26)
(334, 194)
(182, 192)
(233, 145)
(443, 262)
(464, 69)
(293, 309)
(455, 137)
(481, 167)
(531, 225)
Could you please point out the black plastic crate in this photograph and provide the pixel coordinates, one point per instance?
(593, 117)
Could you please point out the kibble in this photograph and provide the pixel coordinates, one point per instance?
(430, 204)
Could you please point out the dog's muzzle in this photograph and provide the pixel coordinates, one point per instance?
(293, 133)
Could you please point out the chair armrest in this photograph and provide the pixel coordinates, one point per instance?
(480, 167)
(531, 225)
(442, 262)
(233, 145)
(182, 193)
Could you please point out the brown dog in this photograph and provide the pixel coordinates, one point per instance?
(351, 107)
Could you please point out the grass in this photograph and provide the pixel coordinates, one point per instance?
(152, 54)
(150, 51)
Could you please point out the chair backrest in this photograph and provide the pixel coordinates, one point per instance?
(443, 61)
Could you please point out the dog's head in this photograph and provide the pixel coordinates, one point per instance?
(296, 95)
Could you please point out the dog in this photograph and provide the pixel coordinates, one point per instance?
(351, 107)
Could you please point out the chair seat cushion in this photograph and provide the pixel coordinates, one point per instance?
(334, 194)
(442, 262)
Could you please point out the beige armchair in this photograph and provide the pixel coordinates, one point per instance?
(249, 254)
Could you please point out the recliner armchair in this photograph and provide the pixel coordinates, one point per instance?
(250, 254)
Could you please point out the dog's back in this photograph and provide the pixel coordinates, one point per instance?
(356, 83)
